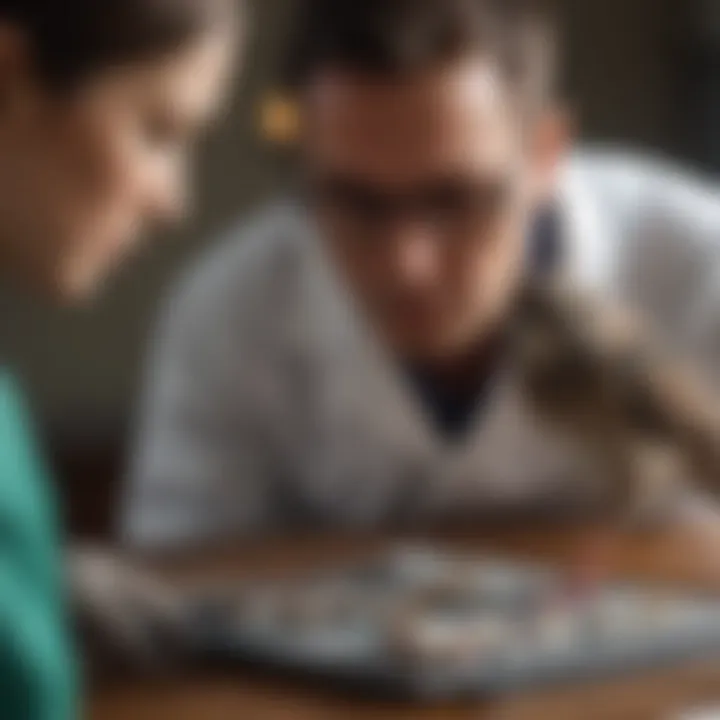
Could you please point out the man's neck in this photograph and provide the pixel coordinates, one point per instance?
(466, 370)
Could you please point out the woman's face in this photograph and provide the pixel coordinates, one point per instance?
(84, 174)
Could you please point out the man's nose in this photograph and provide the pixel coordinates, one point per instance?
(415, 254)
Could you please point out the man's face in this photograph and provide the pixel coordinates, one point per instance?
(424, 188)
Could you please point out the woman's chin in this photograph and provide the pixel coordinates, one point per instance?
(76, 286)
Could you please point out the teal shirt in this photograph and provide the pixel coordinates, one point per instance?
(37, 674)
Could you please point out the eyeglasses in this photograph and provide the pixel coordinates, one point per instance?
(448, 207)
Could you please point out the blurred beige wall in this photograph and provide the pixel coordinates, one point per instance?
(84, 364)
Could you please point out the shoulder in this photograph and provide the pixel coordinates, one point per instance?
(251, 257)
(645, 186)
(15, 423)
(248, 271)
(27, 500)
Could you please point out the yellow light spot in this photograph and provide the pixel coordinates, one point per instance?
(279, 120)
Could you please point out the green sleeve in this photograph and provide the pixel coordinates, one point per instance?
(37, 673)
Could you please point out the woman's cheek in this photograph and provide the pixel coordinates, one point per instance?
(104, 226)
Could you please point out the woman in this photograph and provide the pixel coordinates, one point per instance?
(99, 103)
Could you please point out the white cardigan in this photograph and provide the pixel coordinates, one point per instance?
(268, 401)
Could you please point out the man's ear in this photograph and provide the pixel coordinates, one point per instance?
(552, 139)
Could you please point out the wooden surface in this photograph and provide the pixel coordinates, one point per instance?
(685, 555)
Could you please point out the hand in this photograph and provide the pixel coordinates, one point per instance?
(129, 620)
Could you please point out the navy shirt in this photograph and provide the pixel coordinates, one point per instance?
(453, 411)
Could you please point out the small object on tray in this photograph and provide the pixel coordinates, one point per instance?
(421, 623)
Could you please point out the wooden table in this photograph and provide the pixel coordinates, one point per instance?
(689, 557)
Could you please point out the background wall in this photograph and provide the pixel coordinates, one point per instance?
(632, 69)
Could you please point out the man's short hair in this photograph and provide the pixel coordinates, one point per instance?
(398, 37)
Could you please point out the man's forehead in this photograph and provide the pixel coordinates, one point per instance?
(459, 114)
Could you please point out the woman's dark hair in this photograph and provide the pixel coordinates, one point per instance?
(73, 39)
(395, 37)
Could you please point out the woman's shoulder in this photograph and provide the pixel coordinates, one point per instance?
(27, 502)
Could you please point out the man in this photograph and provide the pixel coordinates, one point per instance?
(337, 362)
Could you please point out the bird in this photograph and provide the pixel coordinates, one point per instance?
(593, 370)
